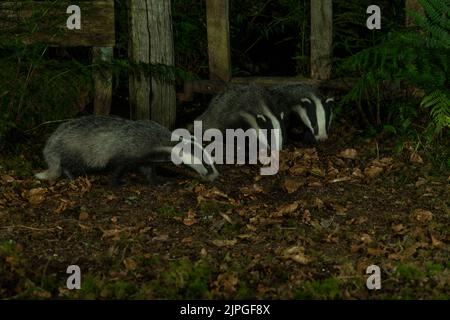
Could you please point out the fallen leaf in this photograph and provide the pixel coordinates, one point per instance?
(416, 158)
(297, 254)
(375, 251)
(351, 154)
(366, 239)
(130, 264)
(436, 242)
(36, 196)
(190, 219)
(422, 216)
(286, 209)
(8, 178)
(292, 185)
(399, 229)
(161, 237)
(83, 216)
(224, 243)
(357, 173)
(373, 172)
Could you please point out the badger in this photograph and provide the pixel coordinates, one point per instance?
(245, 107)
(103, 143)
(305, 105)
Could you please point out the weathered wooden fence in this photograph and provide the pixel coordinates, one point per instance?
(151, 41)
(97, 32)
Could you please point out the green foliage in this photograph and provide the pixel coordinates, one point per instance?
(439, 104)
(410, 57)
(326, 289)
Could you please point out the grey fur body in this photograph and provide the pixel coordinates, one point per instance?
(306, 104)
(97, 143)
(241, 106)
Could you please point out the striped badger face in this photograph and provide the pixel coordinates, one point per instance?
(316, 114)
(197, 158)
(267, 121)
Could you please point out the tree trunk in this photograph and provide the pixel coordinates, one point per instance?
(321, 39)
(151, 41)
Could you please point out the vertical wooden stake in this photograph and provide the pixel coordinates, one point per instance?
(164, 99)
(217, 13)
(102, 81)
(139, 51)
(321, 38)
(151, 41)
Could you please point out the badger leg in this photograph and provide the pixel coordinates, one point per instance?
(53, 171)
(149, 173)
(117, 176)
(68, 174)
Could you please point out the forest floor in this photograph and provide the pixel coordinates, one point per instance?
(311, 231)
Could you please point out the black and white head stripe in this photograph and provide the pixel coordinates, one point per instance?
(265, 119)
(198, 158)
(316, 114)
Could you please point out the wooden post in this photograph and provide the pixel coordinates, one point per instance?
(151, 41)
(217, 13)
(102, 81)
(321, 38)
(164, 98)
(139, 51)
(412, 5)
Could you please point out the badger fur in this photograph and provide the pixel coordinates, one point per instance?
(99, 143)
(307, 106)
(245, 107)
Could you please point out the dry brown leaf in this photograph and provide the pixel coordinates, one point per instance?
(287, 209)
(349, 154)
(7, 178)
(224, 243)
(114, 234)
(161, 237)
(318, 203)
(317, 172)
(422, 216)
(297, 254)
(420, 182)
(83, 216)
(436, 242)
(63, 206)
(35, 196)
(366, 239)
(399, 229)
(130, 264)
(187, 240)
(226, 217)
(297, 170)
(415, 158)
(306, 216)
(291, 185)
(373, 172)
(375, 251)
(190, 219)
(228, 282)
(315, 184)
(357, 173)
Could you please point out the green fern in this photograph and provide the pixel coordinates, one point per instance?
(439, 104)
(406, 57)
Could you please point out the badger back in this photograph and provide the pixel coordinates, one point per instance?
(308, 105)
(97, 140)
(244, 106)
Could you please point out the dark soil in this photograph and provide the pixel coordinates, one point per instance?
(311, 231)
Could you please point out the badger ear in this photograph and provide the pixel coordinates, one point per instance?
(329, 100)
(307, 100)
